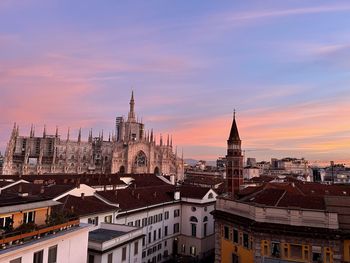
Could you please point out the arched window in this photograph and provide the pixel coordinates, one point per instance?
(193, 219)
(205, 219)
(122, 169)
(156, 171)
(141, 159)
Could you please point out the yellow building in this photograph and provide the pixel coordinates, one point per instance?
(284, 222)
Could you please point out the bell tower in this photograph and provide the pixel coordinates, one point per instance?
(234, 160)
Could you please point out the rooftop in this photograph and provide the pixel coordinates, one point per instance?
(102, 235)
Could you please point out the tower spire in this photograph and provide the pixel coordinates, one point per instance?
(44, 132)
(56, 134)
(79, 135)
(131, 116)
(68, 134)
(234, 135)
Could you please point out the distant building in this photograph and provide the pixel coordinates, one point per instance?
(251, 162)
(131, 150)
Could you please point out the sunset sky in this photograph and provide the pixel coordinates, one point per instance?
(284, 66)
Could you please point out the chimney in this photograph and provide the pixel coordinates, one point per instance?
(155, 194)
(116, 194)
(138, 196)
(42, 189)
(82, 195)
(177, 194)
(72, 209)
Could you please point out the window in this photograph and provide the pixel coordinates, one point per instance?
(165, 243)
(193, 230)
(52, 258)
(108, 219)
(130, 223)
(205, 209)
(193, 209)
(17, 260)
(159, 233)
(159, 257)
(275, 249)
(176, 212)
(205, 219)
(226, 232)
(210, 196)
(316, 254)
(110, 258)
(183, 248)
(205, 229)
(143, 241)
(296, 251)
(166, 215)
(38, 256)
(136, 248)
(91, 258)
(155, 219)
(165, 231)
(154, 235)
(245, 240)
(193, 250)
(149, 237)
(141, 159)
(143, 254)
(160, 246)
(6, 222)
(160, 217)
(235, 236)
(29, 217)
(193, 219)
(93, 220)
(144, 222)
(137, 223)
(124, 254)
(176, 228)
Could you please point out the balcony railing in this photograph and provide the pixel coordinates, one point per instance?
(18, 237)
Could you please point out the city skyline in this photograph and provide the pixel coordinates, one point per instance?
(283, 66)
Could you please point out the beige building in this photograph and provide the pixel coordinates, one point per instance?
(130, 150)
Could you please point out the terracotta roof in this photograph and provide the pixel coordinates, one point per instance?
(51, 191)
(145, 180)
(129, 199)
(193, 191)
(83, 206)
(292, 194)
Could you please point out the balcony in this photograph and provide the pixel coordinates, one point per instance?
(19, 237)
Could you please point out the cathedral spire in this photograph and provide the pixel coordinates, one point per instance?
(90, 136)
(161, 140)
(31, 131)
(168, 141)
(79, 135)
(44, 132)
(131, 116)
(151, 139)
(56, 134)
(68, 134)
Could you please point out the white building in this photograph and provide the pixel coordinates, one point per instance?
(115, 243)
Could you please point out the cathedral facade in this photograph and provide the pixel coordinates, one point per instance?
(130, 150)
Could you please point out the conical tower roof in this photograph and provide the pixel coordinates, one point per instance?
(234, 135)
